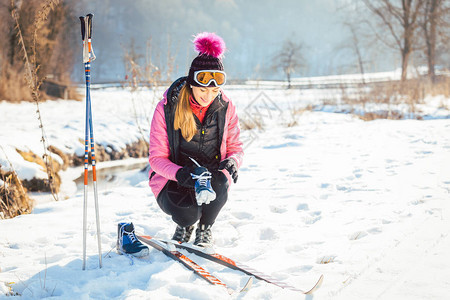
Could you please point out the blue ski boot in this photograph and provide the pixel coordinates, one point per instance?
(127, 242)
(204, 193)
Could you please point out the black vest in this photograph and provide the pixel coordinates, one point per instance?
(205, 145)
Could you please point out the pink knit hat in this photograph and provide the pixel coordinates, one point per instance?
(211, 48)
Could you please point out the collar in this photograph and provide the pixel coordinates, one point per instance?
(196, 106)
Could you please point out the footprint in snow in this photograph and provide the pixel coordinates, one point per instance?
(242, 215)
(294, 136)
(357, 173)
(423, 153)
(325, 185)
(283, 145)
(124, 213)
(14, 246)
(343, 188)
(375, 230)
(302, 206)
(268, 234)
(300, 175)
(299, 269)
(312, 217)
(278, 210)
(295, 248)
(324, 196)
(417, 202)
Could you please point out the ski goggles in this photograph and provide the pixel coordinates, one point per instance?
(206, 77)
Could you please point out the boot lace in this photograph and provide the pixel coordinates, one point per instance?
(183, 234)
(203, 235)
(131, 235)
(202, 178)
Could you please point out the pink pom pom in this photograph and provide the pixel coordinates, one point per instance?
(210, 44)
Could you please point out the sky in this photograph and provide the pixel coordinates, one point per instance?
(254, 32)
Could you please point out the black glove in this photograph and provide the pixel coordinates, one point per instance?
(184, 177)
(229, 164)
(219, 178)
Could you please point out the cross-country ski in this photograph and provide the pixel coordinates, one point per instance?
(230, 263)
(170, 251)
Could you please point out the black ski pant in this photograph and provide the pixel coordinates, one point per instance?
(181, 204)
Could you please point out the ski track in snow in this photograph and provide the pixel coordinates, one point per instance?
(364, 203)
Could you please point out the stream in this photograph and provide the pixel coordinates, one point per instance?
(115, 174)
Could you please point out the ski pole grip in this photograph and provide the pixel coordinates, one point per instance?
(90, 17)
(83, 28)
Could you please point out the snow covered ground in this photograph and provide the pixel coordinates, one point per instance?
(364, 203)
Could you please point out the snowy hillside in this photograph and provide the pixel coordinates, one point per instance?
(364, 203)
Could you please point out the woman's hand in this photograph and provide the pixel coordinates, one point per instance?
(184, 177)
(229, 164)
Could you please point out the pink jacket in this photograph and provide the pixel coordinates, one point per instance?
(159, 146)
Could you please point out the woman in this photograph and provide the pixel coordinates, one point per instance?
(195, 151)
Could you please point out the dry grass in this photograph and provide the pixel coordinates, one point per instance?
(42, 185)
(296, 113)
(411, 92)
(440, 87)
(142, 71)
(49, 53)
(34, 83)
(136, 149)
(370, 116)
(11, 86)
(31, 157)
(251, 123)
(14, 200)
(63, 156)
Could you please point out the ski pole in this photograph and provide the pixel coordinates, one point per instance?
(83, 34)
(88, 56)
(91, 127)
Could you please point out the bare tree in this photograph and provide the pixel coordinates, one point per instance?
(289, 59)
(401, 21)
(357, 49)
(433, 26)
(353, 42)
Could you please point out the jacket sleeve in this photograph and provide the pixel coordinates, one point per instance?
(159, 150)
(233, 142)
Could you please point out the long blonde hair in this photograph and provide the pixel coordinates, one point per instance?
(184, 118)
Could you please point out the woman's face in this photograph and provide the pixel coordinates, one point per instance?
(205, 95)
